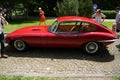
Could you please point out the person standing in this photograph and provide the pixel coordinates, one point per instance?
(116, 26)
(117, 9)
(99, 16)
(2, 23)
(42, 16)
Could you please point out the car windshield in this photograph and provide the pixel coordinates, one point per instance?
(53, 26)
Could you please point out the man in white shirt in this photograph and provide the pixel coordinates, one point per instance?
(99, 16)
(118, 18)
(2, 22)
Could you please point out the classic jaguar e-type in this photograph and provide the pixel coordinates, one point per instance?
(65, 32)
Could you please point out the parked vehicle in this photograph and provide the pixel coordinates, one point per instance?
(65, 32)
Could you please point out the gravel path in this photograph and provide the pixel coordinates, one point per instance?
(62, 63)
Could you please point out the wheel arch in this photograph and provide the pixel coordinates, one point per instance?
(12, 44)
(100, 45)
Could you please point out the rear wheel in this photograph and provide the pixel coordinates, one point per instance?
(91, 48)
(20, 45)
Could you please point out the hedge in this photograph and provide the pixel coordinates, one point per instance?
(109, 14)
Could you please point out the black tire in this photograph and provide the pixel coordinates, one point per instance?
(92, 48)
(20, 45)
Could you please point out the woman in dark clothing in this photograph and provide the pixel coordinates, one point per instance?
(2, 22)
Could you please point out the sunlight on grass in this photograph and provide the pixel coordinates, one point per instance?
(13, 26)
(108, 24)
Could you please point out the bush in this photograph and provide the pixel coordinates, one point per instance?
(109, 14)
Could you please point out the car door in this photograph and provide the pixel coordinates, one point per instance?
(66, 35)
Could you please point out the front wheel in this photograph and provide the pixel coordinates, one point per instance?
(20, 45)
(91, 48)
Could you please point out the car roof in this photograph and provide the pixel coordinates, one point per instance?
(75, 18)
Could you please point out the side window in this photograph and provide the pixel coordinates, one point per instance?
(87, 27)
(68, 26)
(53, 27)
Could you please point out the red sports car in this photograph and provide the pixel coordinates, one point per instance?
(65, 32)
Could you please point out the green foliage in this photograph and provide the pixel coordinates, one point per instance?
(81, 8)
(48, 6)
(88, 8)
(67, 7)
(107, 4)
(109, 14)
(75, 7)
(85, 8)
(19, 6)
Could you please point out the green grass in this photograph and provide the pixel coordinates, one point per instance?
(30, 78)
(16, 25)
(43, 78)
(20, 78)
(108, 24)
(116, 78)
(19, 24)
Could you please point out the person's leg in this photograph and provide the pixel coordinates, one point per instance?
(118, 26)
(45, 23)
(2, 46)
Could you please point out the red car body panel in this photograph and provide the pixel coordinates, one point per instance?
(40, 36)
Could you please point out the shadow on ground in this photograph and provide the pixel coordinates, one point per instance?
(61, 53)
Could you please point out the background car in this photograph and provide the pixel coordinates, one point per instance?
(65, 32)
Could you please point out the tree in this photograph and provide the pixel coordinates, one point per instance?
(81, 8)
(48, 6)
(67, 7)
(75, 7)
(107, 5)
(88, 8)
(51, 7)
(9, 6)
(12, 5)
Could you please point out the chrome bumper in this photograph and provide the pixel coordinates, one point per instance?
(113, 40)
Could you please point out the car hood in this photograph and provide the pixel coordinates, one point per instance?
(30, 30)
